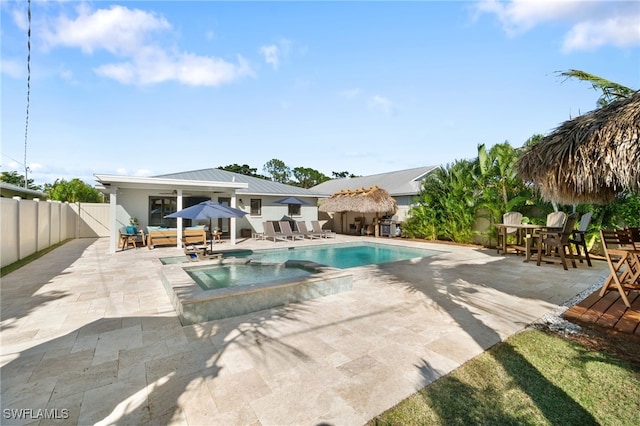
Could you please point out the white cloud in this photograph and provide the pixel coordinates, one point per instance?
(271, 55)
(12, 67)
(381, 103)
(36, 167)
(274, 53)
(592, 23)
(20, 18)
(621, 31)
(13, 165)
(118, 30)
(518, 16)
(127, 34)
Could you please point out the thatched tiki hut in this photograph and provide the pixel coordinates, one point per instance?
(589, 159)
(365, 200)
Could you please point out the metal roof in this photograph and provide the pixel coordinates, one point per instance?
(398, 183)
(11, 190)
(256, 186)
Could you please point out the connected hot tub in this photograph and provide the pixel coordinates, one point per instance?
(216, 289)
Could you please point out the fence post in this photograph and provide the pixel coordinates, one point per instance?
(18, 227)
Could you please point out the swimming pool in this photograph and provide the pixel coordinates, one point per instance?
(342, 256)
(246, 281)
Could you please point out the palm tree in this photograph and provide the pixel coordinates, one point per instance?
(611, 91)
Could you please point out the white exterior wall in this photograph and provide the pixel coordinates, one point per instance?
(404, 205)
(135, 203)
(272, 211)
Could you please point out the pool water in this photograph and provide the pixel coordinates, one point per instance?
(231, 275)
(340, 256)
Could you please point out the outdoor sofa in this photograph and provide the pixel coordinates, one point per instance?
(157, 236)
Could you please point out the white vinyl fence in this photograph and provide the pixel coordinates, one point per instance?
(28, 226)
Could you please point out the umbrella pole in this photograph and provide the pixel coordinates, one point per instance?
(376, 231)
(210, 237)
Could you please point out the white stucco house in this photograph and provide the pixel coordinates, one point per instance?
(150, 199)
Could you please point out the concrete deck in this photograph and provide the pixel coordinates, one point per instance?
(92, 338)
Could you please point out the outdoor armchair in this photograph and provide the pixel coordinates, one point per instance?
(555, 243)
(623, 259)
(509, 218)
(578, 237)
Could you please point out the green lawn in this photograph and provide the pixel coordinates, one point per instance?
(533, 378)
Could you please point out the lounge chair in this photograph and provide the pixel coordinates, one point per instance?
(257, 235)
(286, 230)
(196, 254)
(324, 232)
(270, 232)
(302, 228)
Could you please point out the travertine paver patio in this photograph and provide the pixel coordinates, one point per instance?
(92, 337)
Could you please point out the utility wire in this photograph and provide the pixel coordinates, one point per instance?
(26, 125)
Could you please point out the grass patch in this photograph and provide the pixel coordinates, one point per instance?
(20, 263)
(533, 378)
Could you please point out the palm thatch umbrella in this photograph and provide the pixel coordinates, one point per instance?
(365, 200)
(589, 159)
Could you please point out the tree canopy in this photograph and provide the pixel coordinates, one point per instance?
(307, 177)
(342, 175)
(244, 169)
(278, 170)
(73, 191)
(14, 178)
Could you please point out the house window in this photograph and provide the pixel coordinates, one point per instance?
(294, 209)
(159, 207)
(256, 207)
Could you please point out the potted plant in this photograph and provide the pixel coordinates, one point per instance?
(133, 228)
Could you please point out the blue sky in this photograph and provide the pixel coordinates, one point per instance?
(146, 88)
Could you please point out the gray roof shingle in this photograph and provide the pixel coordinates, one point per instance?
(257, 186)
(398, 183)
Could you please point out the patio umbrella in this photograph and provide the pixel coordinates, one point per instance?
(208, 210)
(292, 200)
(589, 159)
